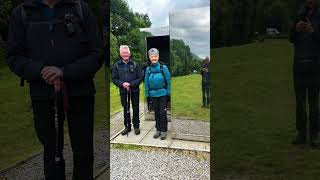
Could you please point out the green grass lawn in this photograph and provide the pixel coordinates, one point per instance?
(17, 136)
(187, 98)
(254, 115)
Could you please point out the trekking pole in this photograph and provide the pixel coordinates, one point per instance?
(57, 89)
(56, 125)
(128, 105)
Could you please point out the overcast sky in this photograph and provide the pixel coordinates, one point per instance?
(192, 26)
(158, 10)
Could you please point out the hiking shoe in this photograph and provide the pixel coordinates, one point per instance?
(163, 135)
(156, 135)
(299, 140)
(126, 131)
(137, 131)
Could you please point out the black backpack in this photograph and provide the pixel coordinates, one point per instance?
(25, 21)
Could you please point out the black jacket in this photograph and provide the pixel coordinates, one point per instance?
(33, 45)
(132, 75)
(306, 45)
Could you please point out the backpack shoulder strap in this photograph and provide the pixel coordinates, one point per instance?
(23, 15)
(25, 23)
(164, 77)
(79, 10)
(134, 65)
(149, 70)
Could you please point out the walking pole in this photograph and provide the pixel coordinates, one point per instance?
(128, 105)
(56, 125)
(57, 159)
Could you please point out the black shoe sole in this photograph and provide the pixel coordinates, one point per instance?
(123, 134)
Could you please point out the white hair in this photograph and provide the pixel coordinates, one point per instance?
(153, 51)
(124, 47)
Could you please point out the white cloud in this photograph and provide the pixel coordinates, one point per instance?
(193, 27)
(158, 10)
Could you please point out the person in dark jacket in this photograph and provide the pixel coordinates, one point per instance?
(157, 87)
(126, 74)
(205, 72)
(306, 39)
(55, 48)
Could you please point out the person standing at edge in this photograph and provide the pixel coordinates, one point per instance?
(306, 37)
(205, 82)
(55, 45)
(126, 75)
(157, 87)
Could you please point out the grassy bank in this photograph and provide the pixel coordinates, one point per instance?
(187, 98)
(254, 115)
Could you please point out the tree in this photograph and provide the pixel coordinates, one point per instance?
(125, 26)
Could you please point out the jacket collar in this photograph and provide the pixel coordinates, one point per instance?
(122, 61)
(156, 64)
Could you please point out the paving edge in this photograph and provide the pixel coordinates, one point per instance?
(160, 146)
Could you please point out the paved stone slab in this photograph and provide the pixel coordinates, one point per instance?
(131, 138)
(147, 125)
(148, 140)
(190, 145)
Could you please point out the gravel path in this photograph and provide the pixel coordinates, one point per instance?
(141, 165)
(32, 169)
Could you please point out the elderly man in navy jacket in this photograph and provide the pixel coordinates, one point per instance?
(127, 75)
(56, 46)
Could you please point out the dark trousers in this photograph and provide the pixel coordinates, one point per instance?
(134, 96)
(205, 95)
(306, 87)
(80, 122)
(160, 113)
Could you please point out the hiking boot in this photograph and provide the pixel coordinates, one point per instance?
(156, 135)
(163, 135)
(137, 131)
(126, 131)
(299, 140)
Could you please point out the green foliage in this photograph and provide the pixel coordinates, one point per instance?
(125, 26)
(5, 9)
(183, 62)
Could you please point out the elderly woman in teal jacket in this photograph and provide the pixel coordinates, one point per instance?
(157, 87)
